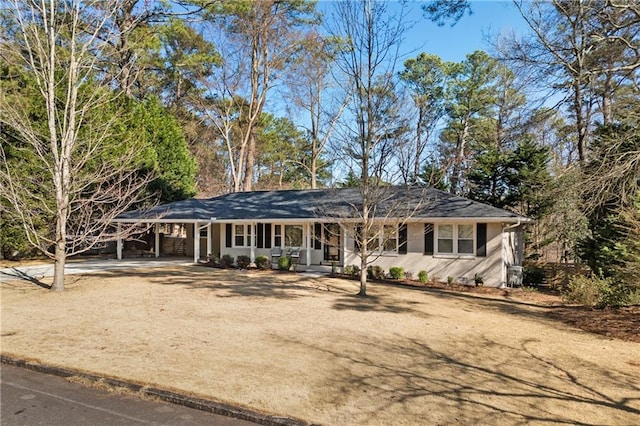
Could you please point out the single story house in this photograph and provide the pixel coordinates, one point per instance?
(415, 228)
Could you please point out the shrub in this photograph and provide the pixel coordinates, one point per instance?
(352, 270)
(213, 260)
(423, 276)
(478, 280)
(617, 295)
(243, 261)
(586, 290)
(262, 262)
(375, 272)
(284, 263)
(450, 280)
(396, 272)
(226, 261)
(533, 275)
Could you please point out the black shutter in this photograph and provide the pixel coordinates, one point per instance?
(402, 239)
(357, 238)
(481, 240)
(260, 235)
(267, 235)
(228, 236)
(428, 238)
(317, 236)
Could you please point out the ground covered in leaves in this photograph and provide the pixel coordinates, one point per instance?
(621, 323)
(306, 347)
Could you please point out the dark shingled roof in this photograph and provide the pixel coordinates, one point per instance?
(321, 203)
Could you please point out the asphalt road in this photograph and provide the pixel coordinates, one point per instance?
(31, 398)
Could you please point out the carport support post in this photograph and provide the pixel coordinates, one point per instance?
(196, 242)
(309, 228)
(253, 242)
(343, 229)
(157, 240)
(119, 242)
(209, 244)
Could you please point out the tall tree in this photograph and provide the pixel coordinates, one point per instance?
(264, 36)
(588, 51)
(426, 77)
(371, 121)
(310, 85)
(91, 174)
(174, 166)
(611, 190)
(472, 100)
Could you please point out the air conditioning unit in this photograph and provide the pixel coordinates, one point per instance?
(514, 276)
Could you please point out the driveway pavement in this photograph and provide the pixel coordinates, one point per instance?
(88, 266)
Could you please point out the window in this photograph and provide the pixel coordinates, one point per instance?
(277, 235)
(385, 238)
(390, 238)
(455, 239)
(465, 239)
(445, 239)
(242, 235)
(293, 235)
(373, 239)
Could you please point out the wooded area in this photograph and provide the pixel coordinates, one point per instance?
(110, 105)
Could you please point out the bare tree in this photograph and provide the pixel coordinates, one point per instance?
(310, 86)
(265, 35)
(371, 121)
(586, 50)
(91, 174)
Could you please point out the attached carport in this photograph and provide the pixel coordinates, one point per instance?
(195, 213)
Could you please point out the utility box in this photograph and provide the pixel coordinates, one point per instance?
(514, 276)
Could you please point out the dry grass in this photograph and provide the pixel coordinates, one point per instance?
(306, 347)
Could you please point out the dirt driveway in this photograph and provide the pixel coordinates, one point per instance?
(306, 347)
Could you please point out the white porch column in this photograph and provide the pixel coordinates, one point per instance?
(196, 242)
(253, 242)
(308, 227)
(119, 242)
(344, 245)
(209, 240)
(157, 247)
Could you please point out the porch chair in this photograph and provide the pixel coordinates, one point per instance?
(295, 257)
(276, 252)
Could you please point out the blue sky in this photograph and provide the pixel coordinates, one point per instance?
(454, 43)
(469, 34)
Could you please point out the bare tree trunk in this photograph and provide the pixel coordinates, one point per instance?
(457, 165)
(58, 267)
(250, 162)
(416, 164)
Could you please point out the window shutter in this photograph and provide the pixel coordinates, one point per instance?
(356, 238)
(481, 240)
(428, 238)
(317, 236)
(260, 235)
(267, 235)
(402, 239)
(229, 235)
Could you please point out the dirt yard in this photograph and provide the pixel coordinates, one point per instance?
(306, 347)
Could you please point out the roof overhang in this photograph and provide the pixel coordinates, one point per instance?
(330, 220)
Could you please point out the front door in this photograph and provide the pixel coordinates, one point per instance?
(332, 242)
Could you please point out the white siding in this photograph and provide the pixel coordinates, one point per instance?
(440, 266)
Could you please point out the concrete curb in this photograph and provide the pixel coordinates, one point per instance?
(164, 395)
